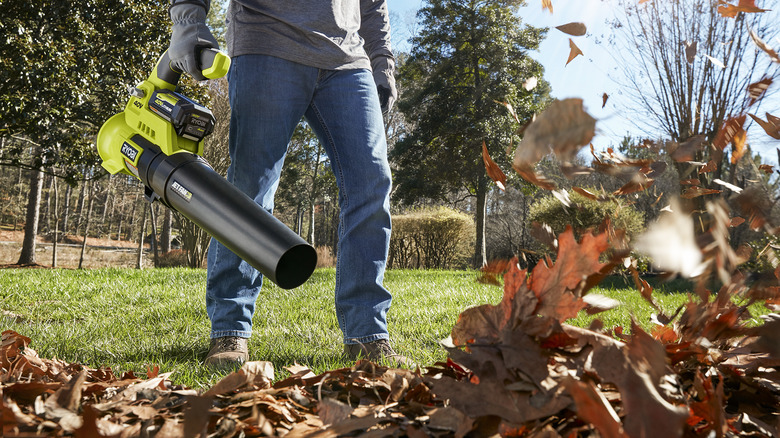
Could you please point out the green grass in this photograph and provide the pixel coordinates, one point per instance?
(129, 319)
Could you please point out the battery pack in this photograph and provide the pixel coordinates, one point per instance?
(190, 119)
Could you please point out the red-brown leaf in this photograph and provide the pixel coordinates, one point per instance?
(574, 51)
(574, 29)
(494, 172)
(731, 11)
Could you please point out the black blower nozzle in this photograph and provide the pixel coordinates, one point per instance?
(186, 182)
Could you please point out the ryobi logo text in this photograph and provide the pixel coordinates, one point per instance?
(129, 151)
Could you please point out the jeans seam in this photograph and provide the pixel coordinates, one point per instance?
(335, 160)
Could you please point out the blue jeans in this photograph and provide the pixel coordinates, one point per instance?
(268, 97)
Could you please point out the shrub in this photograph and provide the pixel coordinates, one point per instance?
(440, 238)
(173, 259)
(586, 214)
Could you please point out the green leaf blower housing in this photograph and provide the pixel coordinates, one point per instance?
(158, 139)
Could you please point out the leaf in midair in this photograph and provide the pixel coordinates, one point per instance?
(594, 408)
(757, 90)
(573, 52)
(494, 172)
(690, 51)
(530, 83)
(731, 11)
(671, 243)
(604, 98)
(738, 143)
(716, 62)
(696, 191)
(547, 4)
(509, 108)
(766, 168)
(771, 126)
(765, 47)
(562, 129)
(730, 129)
(574, 29)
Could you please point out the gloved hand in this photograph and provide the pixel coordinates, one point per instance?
(189, 36)
(383, 68)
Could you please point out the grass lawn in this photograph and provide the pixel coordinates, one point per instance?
(129, 319)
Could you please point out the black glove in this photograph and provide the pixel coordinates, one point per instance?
(383, 68)
(189, 35)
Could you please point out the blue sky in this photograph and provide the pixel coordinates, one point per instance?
(587, 77)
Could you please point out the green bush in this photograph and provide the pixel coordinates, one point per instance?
(440, 238)
(586, 214)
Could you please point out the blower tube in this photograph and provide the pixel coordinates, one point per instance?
(187, 183)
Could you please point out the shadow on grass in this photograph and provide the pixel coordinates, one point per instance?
(658, 283)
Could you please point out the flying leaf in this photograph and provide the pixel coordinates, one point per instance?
(509, 108)
(574, 29)
(530, 83)
(562, 129)
(766, 168)
(716, 62)
(738, 143)
(765, 47)
(731, 128)
(671, 243)
(771, 126)
(757, 90)
(594, 408)
(547, 4)
(690, 51)
(494, 172)
(729, 186)
(574, 51)
(731, 11)
(696, 191)
(604, 98)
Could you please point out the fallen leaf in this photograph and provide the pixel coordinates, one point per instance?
(574, 29)
(594, 408)
(494, 172)
(574, 51)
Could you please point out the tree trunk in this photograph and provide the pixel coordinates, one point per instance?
(27, 256)
(165, 236)
(480, 255)
(86, 224)
(66, 210)
(80, 205)
(56, 223)
(139, 260)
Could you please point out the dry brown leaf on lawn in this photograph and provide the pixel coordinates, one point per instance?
(494, 172)
(574, 51)
(574, 28)
(771, 126)
(731, 11)
(563, 128)
(594, 408)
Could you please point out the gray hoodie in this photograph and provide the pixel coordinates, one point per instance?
(332, 35)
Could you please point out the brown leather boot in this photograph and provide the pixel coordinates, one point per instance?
(227, 352)
(378, 351)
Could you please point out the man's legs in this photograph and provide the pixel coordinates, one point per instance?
(346, 117)
(268, 97)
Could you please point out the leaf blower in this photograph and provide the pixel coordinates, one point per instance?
(158, 139)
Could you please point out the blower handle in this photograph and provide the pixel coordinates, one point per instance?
(214, 64)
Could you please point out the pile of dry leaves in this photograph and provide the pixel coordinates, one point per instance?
(514, 369)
